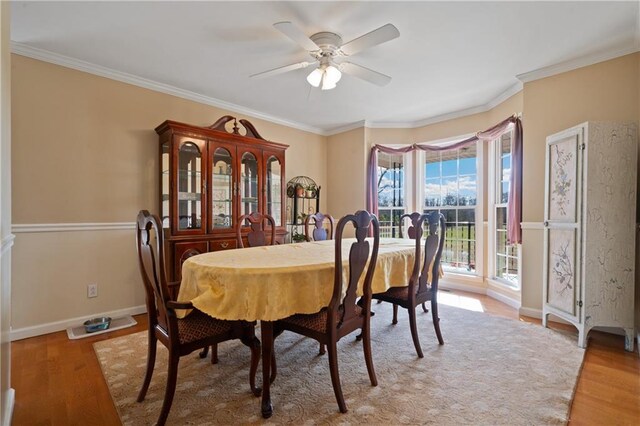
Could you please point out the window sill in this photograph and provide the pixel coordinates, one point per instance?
(451, 276)
(505, 285)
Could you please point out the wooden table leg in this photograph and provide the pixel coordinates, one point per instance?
(266, 330)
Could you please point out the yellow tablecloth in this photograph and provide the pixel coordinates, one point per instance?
(274, 282)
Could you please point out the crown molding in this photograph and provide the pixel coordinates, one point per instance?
(68, 62)
(346, 128)
(77, 64)
(573, 64)
(512, 90)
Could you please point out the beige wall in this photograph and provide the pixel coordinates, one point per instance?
(604, 91)
(6, 393)
(347, 160)
(84, 151)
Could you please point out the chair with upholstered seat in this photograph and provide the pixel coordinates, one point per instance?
(420, 290)
(181, 336)
(257, 235)
(319, 232)
(342, 316)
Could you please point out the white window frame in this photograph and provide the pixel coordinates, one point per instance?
(418, 205)
(494, 188)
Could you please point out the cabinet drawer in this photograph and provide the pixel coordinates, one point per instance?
(217, 245)
(183, 251)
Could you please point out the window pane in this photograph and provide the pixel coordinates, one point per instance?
(432, 192)
(467, 165)
(504, 198)
(390, 192)
(449, 167)
(432, 169)
(450, 191)
(468, 187)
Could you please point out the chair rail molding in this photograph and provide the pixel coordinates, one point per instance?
(19, 228)
(532, 225)
(6, 243)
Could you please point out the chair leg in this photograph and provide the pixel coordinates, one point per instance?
(335, 375)
(204, 352)
(366, 345)
(274, 366)
(151, 362)
(436, 321)
(322, 350)
(424, 307)
(214, 353)
(172, 378)
(414, 331)
(255, 360)
(395, 314)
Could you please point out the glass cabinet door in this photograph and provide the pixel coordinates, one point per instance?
(189, 185)
(249, 184)
(273, 196)
(222, 188)
(164, 176)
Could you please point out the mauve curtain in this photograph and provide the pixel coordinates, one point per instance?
(514, 203)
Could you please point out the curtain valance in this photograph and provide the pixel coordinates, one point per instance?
(514, 203)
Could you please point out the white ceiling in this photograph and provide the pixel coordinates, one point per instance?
(449, 57)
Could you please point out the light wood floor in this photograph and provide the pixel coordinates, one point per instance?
(59, 382)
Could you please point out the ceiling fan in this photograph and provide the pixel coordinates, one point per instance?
(326, 49)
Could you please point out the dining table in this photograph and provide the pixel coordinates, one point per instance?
(270, 283)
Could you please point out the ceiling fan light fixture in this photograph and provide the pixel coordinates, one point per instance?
(327, 84)
(315, 77)
(333, 74)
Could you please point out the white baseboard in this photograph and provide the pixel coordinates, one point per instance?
(528, 312)
(537, 313)
(9, 404)
(52, 327)
(503, 298)
(462, 287)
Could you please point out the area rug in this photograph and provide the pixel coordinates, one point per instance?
(490, 371)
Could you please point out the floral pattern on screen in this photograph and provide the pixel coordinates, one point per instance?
(563, 165)
(562, 269)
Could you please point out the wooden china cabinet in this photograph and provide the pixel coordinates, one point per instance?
(209, 177)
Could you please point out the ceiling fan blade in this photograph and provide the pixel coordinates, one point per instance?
(296, 34)
(281, 70)
(365, 73)
(375, 37)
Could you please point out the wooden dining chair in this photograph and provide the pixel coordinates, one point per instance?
(343, 315)
(257, 235)
(426, 269)
(319, 232)
(181, 336)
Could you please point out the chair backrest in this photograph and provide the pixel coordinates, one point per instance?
(319, 233)
(414, 232)
(413, 227)
(359, 253)
(432, 252)
(152, 269)
(257, 234)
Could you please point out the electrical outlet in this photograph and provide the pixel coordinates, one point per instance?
(92, 290)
